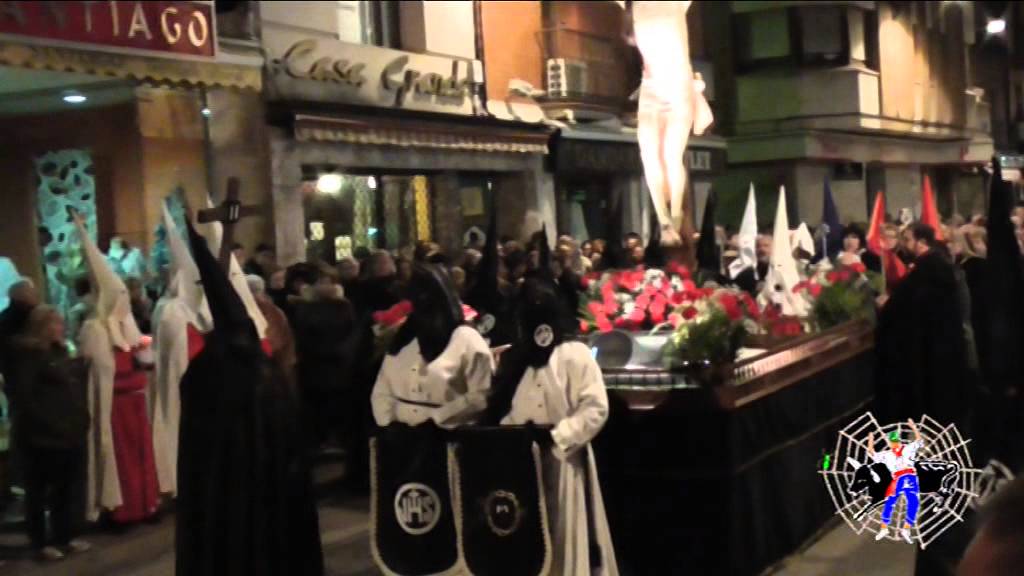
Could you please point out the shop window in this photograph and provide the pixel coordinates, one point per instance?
(762, 37)
(368, 22)
(65, 180)
(381, 21)
(823, 35)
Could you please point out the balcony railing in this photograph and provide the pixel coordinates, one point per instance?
(587, 69)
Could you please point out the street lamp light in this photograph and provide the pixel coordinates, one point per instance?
(995, 26)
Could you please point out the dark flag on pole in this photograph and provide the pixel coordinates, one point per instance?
(412, 530)
(708, 258)
(829, 238)
(503, 528)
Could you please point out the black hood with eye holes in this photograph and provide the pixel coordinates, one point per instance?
(436, 313)
(544, 324)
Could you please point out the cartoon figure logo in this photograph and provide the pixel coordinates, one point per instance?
(901, 482)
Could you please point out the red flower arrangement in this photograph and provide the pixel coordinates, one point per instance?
(841, 295)
(635, 299)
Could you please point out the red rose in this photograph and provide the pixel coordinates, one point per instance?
(815, 290)
(689, 313)
(677, 298)
(469, 313)
(595, 308)
(731, 307)
(843, 275)
(584, 326)
(832, 276)
(620, 322)
(858, 267)
(751, 306)
(657, 316)
(642, 302)
(603, 325)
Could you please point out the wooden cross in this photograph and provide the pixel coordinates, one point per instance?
(230, 211)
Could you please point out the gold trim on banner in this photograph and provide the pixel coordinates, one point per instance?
(386, 137)
(141, 68)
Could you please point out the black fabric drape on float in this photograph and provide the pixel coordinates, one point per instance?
(707, 491)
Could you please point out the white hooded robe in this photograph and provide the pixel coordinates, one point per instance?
(569, 394)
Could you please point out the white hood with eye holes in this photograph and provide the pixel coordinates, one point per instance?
(185, 283)
(113, 304)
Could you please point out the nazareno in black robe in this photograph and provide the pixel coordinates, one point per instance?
(920, 348)
(245, 501)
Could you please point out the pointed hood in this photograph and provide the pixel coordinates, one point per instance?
(874, 235)
(185, 281)
(544, 249)
(231, 321)
(654, 256)
(782, 271)
(929, 211)
(214, 233)
(747, 239)
(1004, 288)
(802, 239)
(545, 322)
(484, 295)
(113, 304)
(436, 312)
(708, 257)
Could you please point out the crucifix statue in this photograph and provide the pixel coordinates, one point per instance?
(228, 213)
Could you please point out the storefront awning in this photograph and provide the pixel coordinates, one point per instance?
(132, 66)
(385, 131)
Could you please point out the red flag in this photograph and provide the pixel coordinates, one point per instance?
(875, 229)
(929, 212)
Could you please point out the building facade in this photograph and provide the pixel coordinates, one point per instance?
(379, 136)
(868, 96)
(108, 108)
(575, 58)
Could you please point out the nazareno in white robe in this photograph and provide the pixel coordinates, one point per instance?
(568, 393)
(103, 486)
(452, 389)
(165, 413)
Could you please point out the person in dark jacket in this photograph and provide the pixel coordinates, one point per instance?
(324, 326)
(920, 347)
(23, 299)
(52, 424)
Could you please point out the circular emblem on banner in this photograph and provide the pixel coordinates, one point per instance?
(503, 512)
(543, 336)
(486, 324)
(417, 508)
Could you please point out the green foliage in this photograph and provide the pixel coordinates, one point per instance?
(715, 340)
(846, 301)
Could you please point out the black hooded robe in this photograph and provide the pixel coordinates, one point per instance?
(920, 347)
(245, 502)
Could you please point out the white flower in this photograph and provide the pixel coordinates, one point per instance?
(628, 307)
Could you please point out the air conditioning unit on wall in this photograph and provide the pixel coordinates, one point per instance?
(566, 77)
